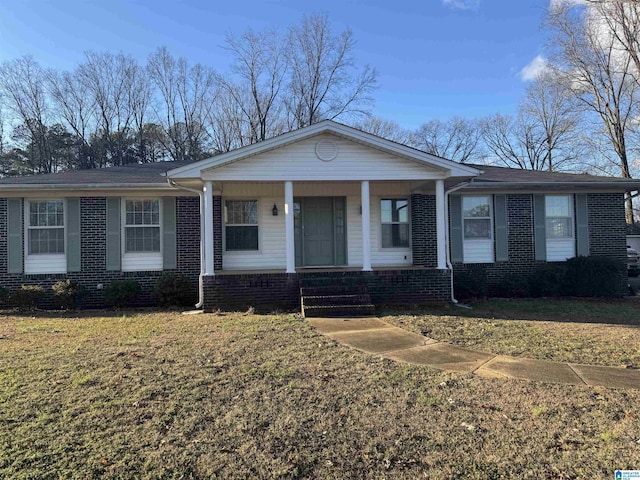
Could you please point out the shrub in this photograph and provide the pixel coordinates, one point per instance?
(121, 293)
(470, 282)
(547, 280)
(594, 277)
(174, 289)
(513, 286)
(4, 294)
(27, 296)
(67, 293)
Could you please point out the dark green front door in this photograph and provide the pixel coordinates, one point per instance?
(318, 231)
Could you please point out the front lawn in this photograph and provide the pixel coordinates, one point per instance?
(162, 395)
(596, 331)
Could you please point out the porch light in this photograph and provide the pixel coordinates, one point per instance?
(274, 210)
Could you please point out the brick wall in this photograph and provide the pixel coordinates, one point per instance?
(281, 291)
(423, 230)
(607, 237)
(93, 245)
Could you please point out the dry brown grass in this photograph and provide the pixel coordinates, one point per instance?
(162, 395)
(601, 332)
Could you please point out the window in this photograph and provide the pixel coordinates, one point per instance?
(559, 217)
(477, 229)
(476, 216)
(395, 222)
(241, 225)
(142, 226)
(45, 227)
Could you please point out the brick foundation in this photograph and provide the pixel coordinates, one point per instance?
(281, 291)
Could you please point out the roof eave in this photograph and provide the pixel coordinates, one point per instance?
(85, 186)
(493, 185)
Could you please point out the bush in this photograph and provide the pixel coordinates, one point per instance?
(67, 293)
(513, 286)
(547, 280)
(4, 294)
(594, 277)
(470, 282)
(27, 296)
(121, 293)
(174, 289)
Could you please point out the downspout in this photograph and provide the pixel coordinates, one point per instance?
(202, 219)
(446, 227)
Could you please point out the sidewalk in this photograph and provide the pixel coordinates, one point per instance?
(372, 335)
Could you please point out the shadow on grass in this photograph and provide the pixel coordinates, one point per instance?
(621, 311)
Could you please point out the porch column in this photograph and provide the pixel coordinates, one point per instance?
(366, 227)
(208, 227)
(441, 213)
(289, 231)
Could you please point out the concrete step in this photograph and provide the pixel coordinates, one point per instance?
(328, 300)
(338, 311)
(332, 289)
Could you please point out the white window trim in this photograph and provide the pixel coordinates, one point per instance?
(259, 205)
(33, 263)
(381, 223)
(567, 242)
(140, 261)
(485, 241)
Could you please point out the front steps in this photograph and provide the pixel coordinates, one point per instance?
(335, 297)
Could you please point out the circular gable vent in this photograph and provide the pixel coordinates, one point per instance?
(326, 150)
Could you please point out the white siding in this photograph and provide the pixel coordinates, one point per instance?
(559, 250)
(142, 261)
(478, 251)
(45, 263)
(385, 256)
(271, 230)
(271, 253)
(298, 161)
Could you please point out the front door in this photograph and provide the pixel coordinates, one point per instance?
(318, 231)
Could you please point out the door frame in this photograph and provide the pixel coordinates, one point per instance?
(339, 246)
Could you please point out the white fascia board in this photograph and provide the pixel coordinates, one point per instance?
(452, 168)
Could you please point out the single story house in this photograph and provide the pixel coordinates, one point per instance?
(316, 207)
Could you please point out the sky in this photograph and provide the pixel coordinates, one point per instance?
(436, 59)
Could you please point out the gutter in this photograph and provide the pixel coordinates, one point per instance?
(202, 252)
(82, 186)
(446, 227)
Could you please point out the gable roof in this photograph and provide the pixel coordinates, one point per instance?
(194, 170)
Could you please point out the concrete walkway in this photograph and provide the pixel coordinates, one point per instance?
(372, 335)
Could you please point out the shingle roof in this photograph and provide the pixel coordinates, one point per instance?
(130, 174)
(503, 174)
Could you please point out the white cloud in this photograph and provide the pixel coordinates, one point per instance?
(533, 70)
(462, 4)
(555, 5)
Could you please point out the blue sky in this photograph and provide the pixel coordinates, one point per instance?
(435, 58)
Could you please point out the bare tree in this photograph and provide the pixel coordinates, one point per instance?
(186, 93)
(514, 142)
(587, 55)
(2, 120)
(456, 139)
(22, 81)
(226, 126)
(77, 108)
(385, 128)
(260, 67)
(108, 78)
(324, 81)
(554, 114)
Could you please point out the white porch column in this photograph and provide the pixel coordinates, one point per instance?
(208, 227)
(441, 213)
(366, 227)
(289, 231)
